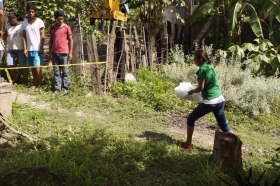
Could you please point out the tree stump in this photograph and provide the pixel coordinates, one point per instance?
(227, 149)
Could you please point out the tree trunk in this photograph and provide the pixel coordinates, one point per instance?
(152, 49)
(227, 149)
(187, 28)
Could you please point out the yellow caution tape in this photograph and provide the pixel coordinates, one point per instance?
(79, 64)
(8, 76)
(46, 66)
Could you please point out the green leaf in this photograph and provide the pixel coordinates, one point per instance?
(254, 21)
(233, 19)
(263, 47)
(269, 6)
(275, 62)
(237, 50)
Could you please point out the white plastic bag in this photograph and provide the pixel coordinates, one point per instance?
(129, 78)
(183, 89)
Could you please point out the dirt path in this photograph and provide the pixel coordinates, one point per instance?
(28, 100)
(203, 135)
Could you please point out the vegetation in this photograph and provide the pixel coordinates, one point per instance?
(119, 140)
(127, 136)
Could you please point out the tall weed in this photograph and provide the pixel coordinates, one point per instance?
(254, 95)
(154, 89)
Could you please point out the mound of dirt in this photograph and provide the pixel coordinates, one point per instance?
(31, 176)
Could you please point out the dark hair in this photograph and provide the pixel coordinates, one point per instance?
(17, 16)
(202, 54)
(30, 6)
(58, 13)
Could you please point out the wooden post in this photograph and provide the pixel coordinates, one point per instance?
(93, 57)
(145, 45)
(123, 57)
(144, 62)
(137, 48)
(164, 47)
(110, 63)
(76, 49)
(227, 149)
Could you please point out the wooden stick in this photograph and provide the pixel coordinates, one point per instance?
(15, 131)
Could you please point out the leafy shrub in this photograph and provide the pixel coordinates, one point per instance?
(176, 55)
(180, 72)
(154, 89)
(253, 95)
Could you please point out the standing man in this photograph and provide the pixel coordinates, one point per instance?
(60, 51)
(13, 35)
(33, 44)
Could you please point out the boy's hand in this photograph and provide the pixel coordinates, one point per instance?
(70, 57)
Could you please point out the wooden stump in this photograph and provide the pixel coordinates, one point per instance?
(227, 148)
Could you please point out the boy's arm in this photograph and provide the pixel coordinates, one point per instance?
(5, 35)
(24, 43)
(1, 21)
(50, 46)
(42, 35)
(199, 88)
(70, 40)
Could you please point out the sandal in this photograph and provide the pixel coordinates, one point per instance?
(184, 145)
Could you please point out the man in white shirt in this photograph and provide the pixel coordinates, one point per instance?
(33, 44)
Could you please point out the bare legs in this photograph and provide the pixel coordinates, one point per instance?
(189, 135)
(37, 77)
(14, 76)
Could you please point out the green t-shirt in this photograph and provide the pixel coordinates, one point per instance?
(211, 87)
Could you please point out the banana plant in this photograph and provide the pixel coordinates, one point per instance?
(217, 11)
(246, 11)
(261, 55)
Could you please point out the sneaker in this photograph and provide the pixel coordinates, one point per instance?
(65, 92)
(184, 145)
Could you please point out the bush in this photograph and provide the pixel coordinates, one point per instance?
(154, 89)
(253, 95)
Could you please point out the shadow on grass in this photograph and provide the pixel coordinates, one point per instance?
(99, 157)
(149, 135)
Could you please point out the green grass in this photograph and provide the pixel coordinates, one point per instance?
(124, 140)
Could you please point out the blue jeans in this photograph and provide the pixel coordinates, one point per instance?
(203, 109)
(12, 55)
(1, 5)
(60, 73)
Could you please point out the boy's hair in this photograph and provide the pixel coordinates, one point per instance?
(17, 16)
(30, 6)
(58, 13)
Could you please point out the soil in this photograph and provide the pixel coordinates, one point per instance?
(203, 136)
